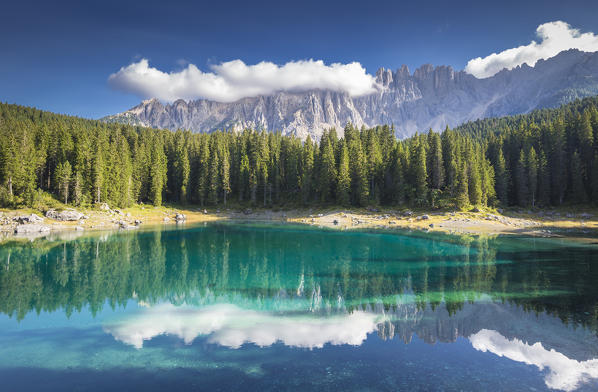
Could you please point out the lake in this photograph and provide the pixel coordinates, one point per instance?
(247, 306)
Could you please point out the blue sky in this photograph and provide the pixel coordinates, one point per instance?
(58, 55)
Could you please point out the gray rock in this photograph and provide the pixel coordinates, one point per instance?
(425, 217)
(33, 218)
(180, 217)
(31, 228)
(66, 215)
(166, 219)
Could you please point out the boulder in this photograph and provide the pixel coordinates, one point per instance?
(166, 219)
(33, 218)
(66, 215)
(425, 217)
(125, 225)
(104, 207)
(407, 213)
(180, 217)
(31, 228)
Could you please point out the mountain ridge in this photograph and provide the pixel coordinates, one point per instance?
(430, 97)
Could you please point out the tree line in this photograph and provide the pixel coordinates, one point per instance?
(544, 158)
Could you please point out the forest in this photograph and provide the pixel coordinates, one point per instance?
(546, 158)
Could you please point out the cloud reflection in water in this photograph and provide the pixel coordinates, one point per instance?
(564, 373)
(231, 326)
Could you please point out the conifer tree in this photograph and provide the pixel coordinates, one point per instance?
(532, 175)
(63, 179)
(344, 179)
(462, 189)
(578, 192)
(501, 179)
(522, 180)
(419, 175)
(543, 181)
(358, 169)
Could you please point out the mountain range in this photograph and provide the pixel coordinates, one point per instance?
(430, 97)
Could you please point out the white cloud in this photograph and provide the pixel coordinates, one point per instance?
(231, 326)
(554, 38)
(233, 80)
(564, 373)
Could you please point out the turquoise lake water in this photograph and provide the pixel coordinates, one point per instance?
(280, 307)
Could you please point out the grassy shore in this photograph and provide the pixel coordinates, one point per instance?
(553, 222)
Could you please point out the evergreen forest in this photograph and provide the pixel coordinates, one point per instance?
(545, 158)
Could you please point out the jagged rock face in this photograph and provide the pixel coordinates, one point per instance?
(431, 97)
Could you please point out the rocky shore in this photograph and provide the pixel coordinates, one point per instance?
(29, 223)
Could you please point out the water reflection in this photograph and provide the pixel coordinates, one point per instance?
(564, 373)
(533, 301)
(231, 326)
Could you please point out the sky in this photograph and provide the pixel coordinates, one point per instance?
(92, 59)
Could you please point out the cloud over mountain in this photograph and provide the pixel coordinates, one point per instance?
(555, 37)
(233, 80)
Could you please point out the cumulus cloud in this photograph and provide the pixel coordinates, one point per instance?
(232, 80)
(231, 326)
(554, 37)
(564, 373)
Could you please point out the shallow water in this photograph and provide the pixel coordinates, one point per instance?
(275, 307)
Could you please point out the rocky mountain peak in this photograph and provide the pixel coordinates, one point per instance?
(431, 97)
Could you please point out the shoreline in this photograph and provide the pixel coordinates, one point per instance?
(544, 223)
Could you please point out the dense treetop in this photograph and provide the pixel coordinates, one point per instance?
(547, 157)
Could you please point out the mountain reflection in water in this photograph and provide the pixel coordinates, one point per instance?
(531, 301)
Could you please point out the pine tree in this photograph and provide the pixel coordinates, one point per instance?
(225, 173)
(435, 161)
(532, 175)
(327, 172)
(158, 170)
(462, 189)
(501, 178)
(543, 181)
(578, 192)
(344, 179)
(204, 170)
(358, 170)
(419, 175)
(63, 179)
(307, 168)
(522, 180)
